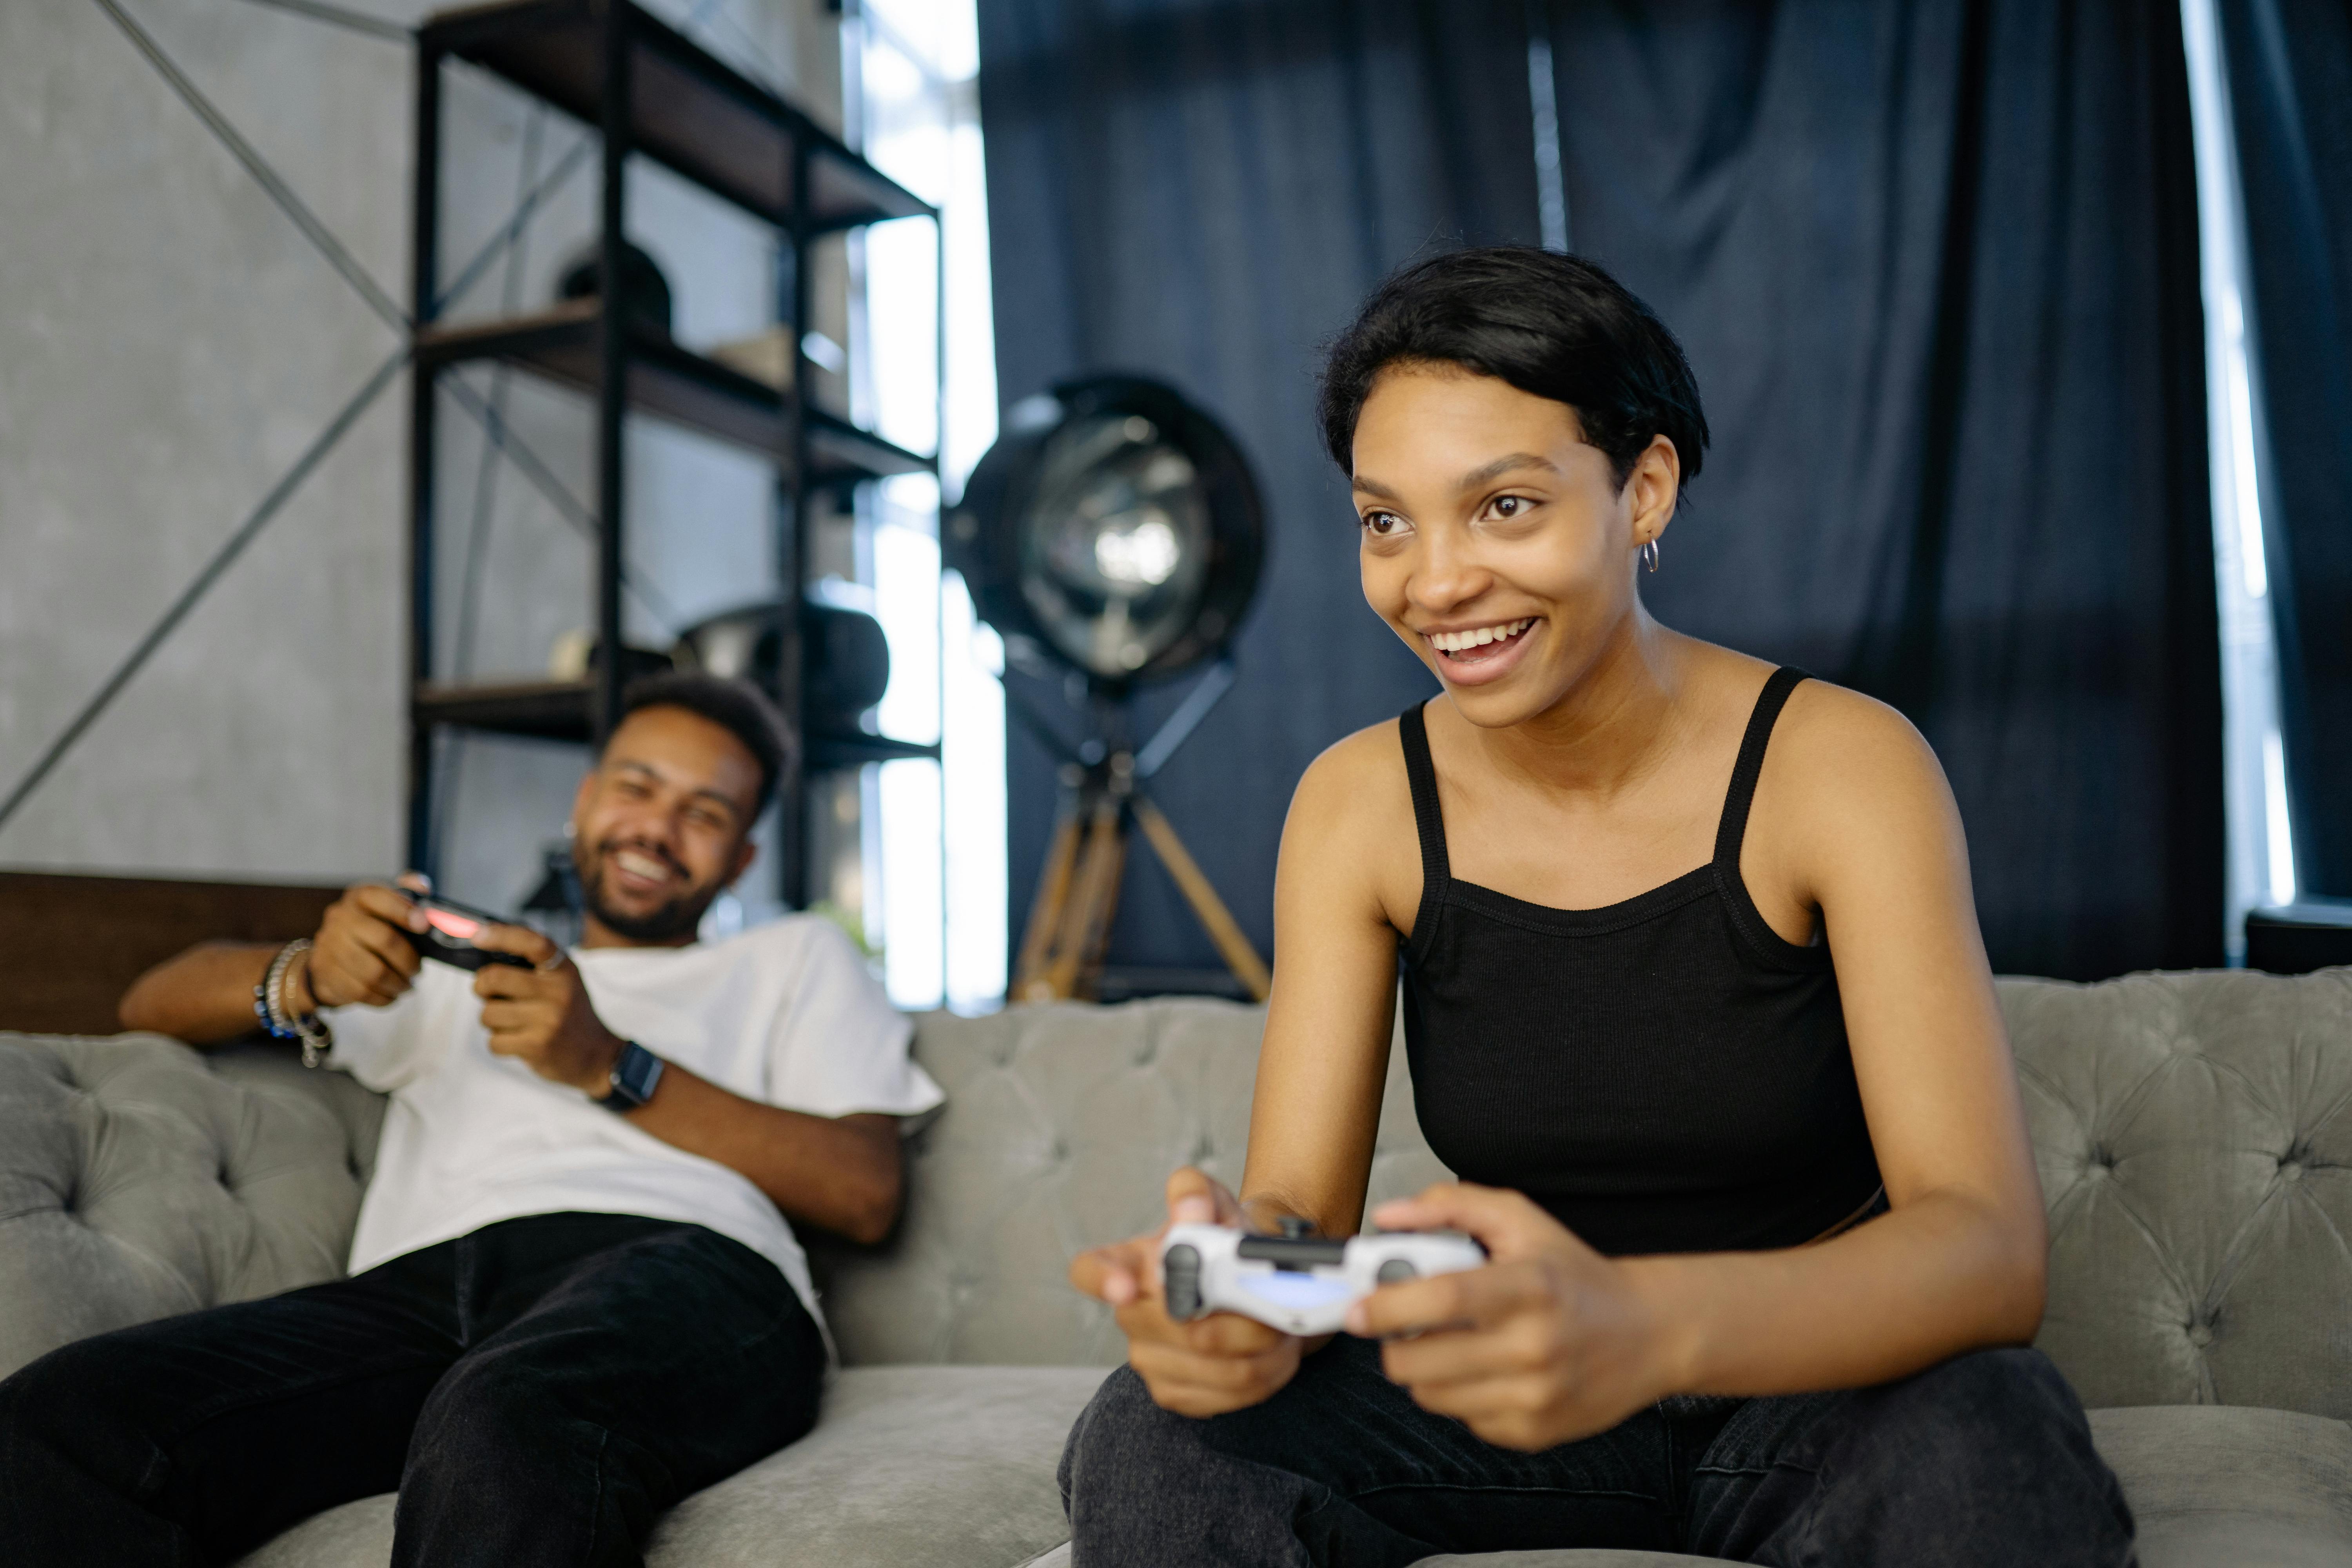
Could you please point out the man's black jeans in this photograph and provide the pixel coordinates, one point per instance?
(538, 1393)
(1983, 1462)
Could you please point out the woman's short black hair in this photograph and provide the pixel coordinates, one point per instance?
(1553, 326)
(738, 706)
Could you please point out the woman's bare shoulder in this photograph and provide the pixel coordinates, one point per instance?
(1828, 728)
(1351, 816)
(1358, 779)
(1842, 764)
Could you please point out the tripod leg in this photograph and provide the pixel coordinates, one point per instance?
(1105, 910)
(1094, 888)
(1231, 942)
(1029, 977)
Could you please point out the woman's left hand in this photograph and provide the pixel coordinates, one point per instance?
(1550, 1342)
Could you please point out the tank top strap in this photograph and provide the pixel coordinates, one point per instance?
(1435, 871)
(1736, 801)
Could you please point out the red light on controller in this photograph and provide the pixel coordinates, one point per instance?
(457, 926)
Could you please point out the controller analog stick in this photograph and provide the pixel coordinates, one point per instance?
(1396, 1270)
(1180, 1270)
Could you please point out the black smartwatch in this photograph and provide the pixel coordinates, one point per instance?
(634, 1078)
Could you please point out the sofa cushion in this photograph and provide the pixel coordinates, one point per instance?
(1612, 1557)
(909, 1467)
(138, 1179)
(2225, 1487)
(356, 1535)
(1061, 1126)
(2194, 1133)
(955, 1466)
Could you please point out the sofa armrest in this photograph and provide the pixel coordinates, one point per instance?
(139, 1179)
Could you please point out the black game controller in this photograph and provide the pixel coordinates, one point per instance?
(449, 931)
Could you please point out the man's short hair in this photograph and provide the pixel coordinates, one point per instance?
(738, 706)
(1553, 326)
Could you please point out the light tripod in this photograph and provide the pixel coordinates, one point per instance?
(1078, 893)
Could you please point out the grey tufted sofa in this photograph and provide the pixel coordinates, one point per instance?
(2195, 1147)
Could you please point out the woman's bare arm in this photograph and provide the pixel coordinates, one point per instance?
(1320, 1073)
(1324, 1062)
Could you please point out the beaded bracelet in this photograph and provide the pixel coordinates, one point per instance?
(282, 1023)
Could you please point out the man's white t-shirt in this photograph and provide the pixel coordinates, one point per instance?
(785, 1013)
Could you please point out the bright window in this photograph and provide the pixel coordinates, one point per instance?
(936, 900)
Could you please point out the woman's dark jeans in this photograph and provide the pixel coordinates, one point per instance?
(538, 1393)
(1983, 1462)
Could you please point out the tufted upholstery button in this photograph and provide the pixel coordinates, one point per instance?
(2200, 1334)
(2291, 1171)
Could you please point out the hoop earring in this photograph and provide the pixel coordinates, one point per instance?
(1650, 553)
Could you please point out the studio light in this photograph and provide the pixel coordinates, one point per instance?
(1113, 530)
(1113, 527)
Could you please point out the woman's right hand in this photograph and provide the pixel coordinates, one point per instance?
(1220, 1362)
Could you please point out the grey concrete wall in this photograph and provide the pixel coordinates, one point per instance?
(169, 342)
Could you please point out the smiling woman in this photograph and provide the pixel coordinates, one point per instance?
(1709, 1154)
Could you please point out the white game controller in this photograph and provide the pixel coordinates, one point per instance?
(1297, 1282)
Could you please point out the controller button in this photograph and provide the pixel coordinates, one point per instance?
(1180, 1268)
(1396, 1270)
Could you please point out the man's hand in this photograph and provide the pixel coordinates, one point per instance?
(540, 1016)
(1550, 1342)
(1222, 1362)
(359, 954)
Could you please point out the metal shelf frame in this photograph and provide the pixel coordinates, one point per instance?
(646, 91)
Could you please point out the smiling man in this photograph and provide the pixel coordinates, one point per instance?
(575, 1296)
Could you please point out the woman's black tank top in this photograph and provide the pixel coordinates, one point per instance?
(1664, 1075)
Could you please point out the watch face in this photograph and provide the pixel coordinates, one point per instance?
(634, 1078)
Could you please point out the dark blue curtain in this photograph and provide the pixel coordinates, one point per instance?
(1202, 192)
(2290, 66)
(1936, 265)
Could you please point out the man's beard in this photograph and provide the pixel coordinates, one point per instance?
(677, 917)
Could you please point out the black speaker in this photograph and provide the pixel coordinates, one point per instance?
(844, 658)
(645, 292)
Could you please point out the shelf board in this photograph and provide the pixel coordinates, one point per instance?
(835, 749)
(559, 711)
(673, 383)
(689, 110)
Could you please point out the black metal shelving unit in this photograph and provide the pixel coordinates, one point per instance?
(648, 91)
